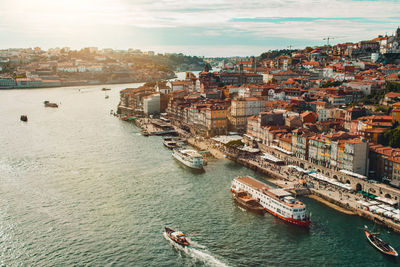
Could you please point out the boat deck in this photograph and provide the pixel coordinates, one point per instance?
(273, 193)
(191, 153)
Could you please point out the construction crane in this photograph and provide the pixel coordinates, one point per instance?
(327, 39)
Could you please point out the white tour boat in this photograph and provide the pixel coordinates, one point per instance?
(278, 202)
(189, 158)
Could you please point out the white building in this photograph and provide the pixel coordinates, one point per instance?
(151, 104)
(325, 114)
(356, 156)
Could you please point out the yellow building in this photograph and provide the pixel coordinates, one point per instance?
(396, 112)
(216, 120)
(285, 142)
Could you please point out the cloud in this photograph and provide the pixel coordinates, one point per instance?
(266, 23)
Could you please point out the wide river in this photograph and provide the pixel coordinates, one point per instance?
(81, 187)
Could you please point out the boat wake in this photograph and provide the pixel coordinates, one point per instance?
(195, 244)
(197, 252)
(242, 209)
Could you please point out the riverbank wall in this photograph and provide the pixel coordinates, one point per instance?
(339, 206)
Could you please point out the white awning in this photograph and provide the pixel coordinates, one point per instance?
(383, 206)
(386, 200)
(364, 203)
(249, 136)
(224, 139)
(373, 208)
(321, 177)
(380, 211)
(297, 168)
(282, 150)
(396, 216)
(250, 149)
(387, 214)
(353, 174)
(270, 158)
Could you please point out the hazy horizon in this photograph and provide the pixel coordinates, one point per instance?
(221, 28)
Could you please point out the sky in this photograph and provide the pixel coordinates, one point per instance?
(202, 28)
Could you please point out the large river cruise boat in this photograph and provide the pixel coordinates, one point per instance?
(189, 157)
(278, 202)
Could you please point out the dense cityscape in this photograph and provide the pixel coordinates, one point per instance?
(35, 68)
(331, 112)
(181, 133)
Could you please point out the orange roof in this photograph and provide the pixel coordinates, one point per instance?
(308, 112)
(392, 94)
(252, 99)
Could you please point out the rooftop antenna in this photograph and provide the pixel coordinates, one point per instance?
(290, 47)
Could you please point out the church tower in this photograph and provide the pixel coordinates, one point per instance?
(206, 67)
(397, 35)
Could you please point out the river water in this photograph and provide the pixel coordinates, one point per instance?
(80, 187)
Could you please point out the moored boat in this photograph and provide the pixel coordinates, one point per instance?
(379, 244)
(24, 118)
(177, 237)
(244, 200)
(48, 104)
(189, 157)
(278, 202)
(105, 89)
(144, 133)
(170, 143)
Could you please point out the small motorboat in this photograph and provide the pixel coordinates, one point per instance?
(144, 133)
(24, 118)
(105, 89)
(244, 200)
(379, 244)
(48, 104)
(106, 97)
(177, 237)
(170, 143)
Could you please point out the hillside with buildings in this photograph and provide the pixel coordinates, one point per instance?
(30, 68)
(337, 107)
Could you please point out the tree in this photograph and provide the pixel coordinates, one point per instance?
(384, 109)
(392, 137)
(234, 143)
(331, 84)
(393, 86)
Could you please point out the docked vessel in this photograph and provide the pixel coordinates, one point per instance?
(170, 143)
(48, 104)
(278, 202)
(189, 158)
(105, 89)
(379, 244)
(177, 237)
(144, 133)
(24, 118)
(244, 200)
